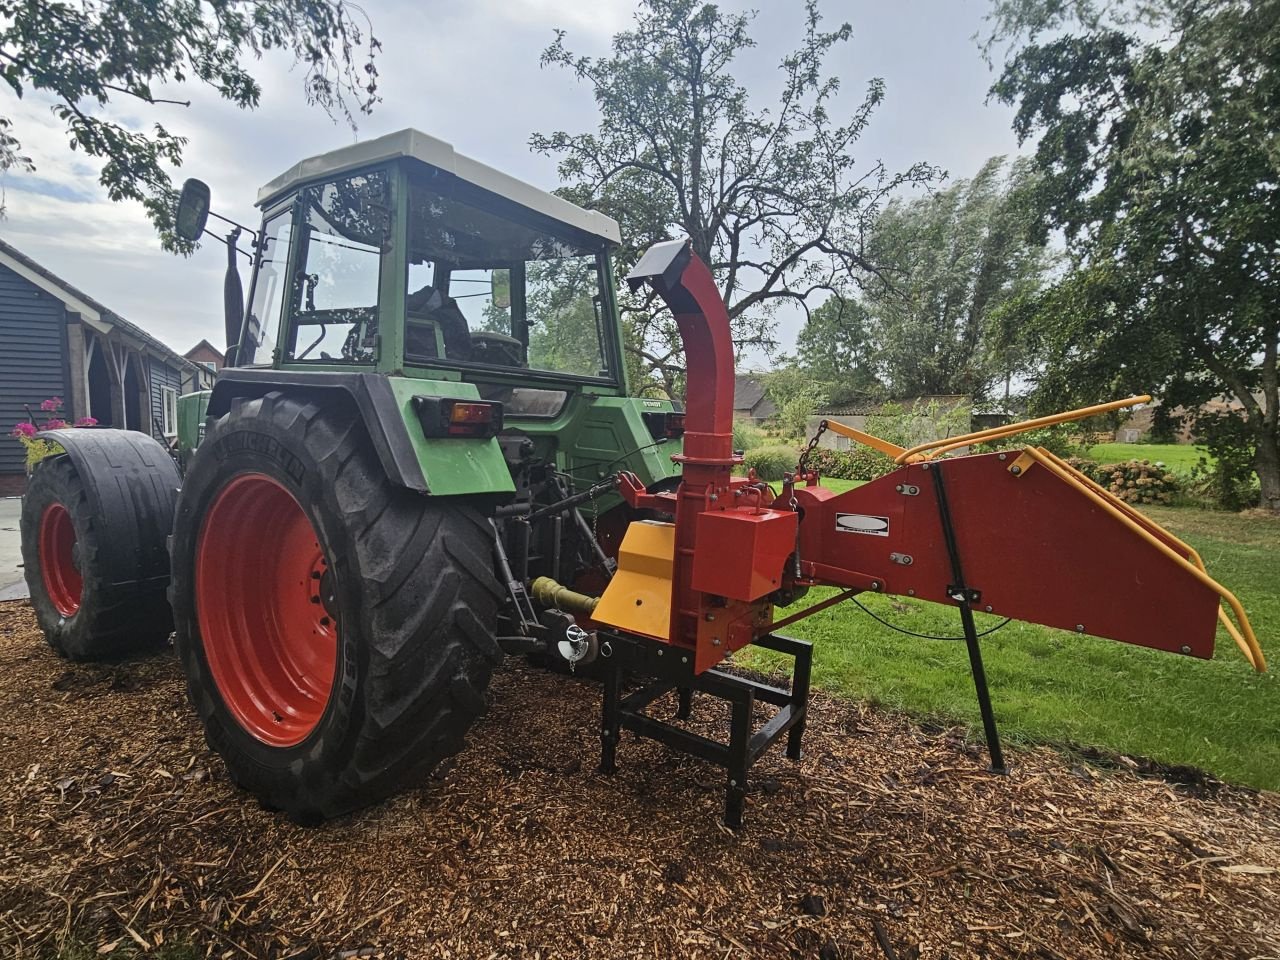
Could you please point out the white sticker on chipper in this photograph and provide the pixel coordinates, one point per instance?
(862, 523)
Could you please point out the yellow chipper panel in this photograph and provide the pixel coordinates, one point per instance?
(638, 598)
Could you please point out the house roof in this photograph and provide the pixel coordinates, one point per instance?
(76, 301)
(208, 346)
(748, 390)
(436, 153)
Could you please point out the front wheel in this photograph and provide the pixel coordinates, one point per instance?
(87, 607)
(337, 631)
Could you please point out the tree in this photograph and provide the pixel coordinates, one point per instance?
(771, 199)
(952, 264)
(91, 55)
(796, 396)
(1157, 162)
(837, 348)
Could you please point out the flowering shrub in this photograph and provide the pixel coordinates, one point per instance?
(27, 431)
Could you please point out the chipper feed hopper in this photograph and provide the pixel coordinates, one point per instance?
(422, 457)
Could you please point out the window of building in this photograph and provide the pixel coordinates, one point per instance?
(169, 408)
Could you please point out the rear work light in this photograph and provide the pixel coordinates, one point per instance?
(442, 417)
(664, 425)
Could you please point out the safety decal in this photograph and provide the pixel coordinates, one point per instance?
(862, 523)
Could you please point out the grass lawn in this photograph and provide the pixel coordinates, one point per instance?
(1178, 457)
(1050, 686)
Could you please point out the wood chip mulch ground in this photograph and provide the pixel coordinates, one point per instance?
(117, 825)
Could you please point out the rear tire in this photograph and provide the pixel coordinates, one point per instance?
(84, 609)
(287, 519)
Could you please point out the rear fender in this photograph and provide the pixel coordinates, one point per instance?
(441, 467)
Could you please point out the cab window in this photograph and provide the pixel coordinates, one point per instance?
(485, 291)
(345, 230)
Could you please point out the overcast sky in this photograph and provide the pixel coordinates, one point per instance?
(467, 73)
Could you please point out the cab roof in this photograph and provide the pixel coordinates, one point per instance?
(416, 145)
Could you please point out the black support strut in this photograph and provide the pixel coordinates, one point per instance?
(665, 668)
(964, 596)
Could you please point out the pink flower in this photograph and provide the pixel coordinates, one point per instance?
(86, 422)
(24, 429)
(50, 405)
(54, 424)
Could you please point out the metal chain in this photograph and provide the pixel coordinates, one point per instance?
(595, 516)
(822, 428)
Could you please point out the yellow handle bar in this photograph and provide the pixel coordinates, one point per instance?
(884, 446)
(925, 451)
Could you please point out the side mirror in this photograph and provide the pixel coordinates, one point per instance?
(193, 210)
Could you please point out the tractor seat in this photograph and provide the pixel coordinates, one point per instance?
(430, 304)
(488, 346)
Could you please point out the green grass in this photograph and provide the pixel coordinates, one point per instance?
(1178, 457)
(1049, 686)
(840, 486)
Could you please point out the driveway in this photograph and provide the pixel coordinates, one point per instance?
(12, 586)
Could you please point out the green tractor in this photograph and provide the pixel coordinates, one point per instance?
(423, 412)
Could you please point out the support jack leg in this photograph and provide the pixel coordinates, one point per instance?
(611, 719)
(964, 596)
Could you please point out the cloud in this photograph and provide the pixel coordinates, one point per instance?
(468, 73)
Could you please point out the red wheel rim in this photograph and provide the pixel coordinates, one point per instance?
(264, 601)
(58, 568)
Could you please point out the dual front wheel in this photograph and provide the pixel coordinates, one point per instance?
(337, 631)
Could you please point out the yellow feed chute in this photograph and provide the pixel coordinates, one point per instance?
(638, 598)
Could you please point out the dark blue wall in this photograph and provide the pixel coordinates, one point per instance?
(32, 359)
(161, 376)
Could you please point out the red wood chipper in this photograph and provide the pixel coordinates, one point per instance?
(1018, 534)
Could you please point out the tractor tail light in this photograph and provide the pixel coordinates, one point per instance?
(442, 417)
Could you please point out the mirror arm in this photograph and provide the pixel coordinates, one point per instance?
(223, 240)
(252, 233)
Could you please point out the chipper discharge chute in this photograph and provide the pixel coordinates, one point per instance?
(423, 457)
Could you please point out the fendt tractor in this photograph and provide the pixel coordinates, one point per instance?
(422, 457)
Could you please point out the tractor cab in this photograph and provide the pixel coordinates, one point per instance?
(400, 256)
(428, 288)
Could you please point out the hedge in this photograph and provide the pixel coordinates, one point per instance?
(770, 463)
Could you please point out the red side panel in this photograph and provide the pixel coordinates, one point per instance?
(741, 553)
(1037, 549)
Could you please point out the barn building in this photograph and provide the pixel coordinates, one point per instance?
(56, 341)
